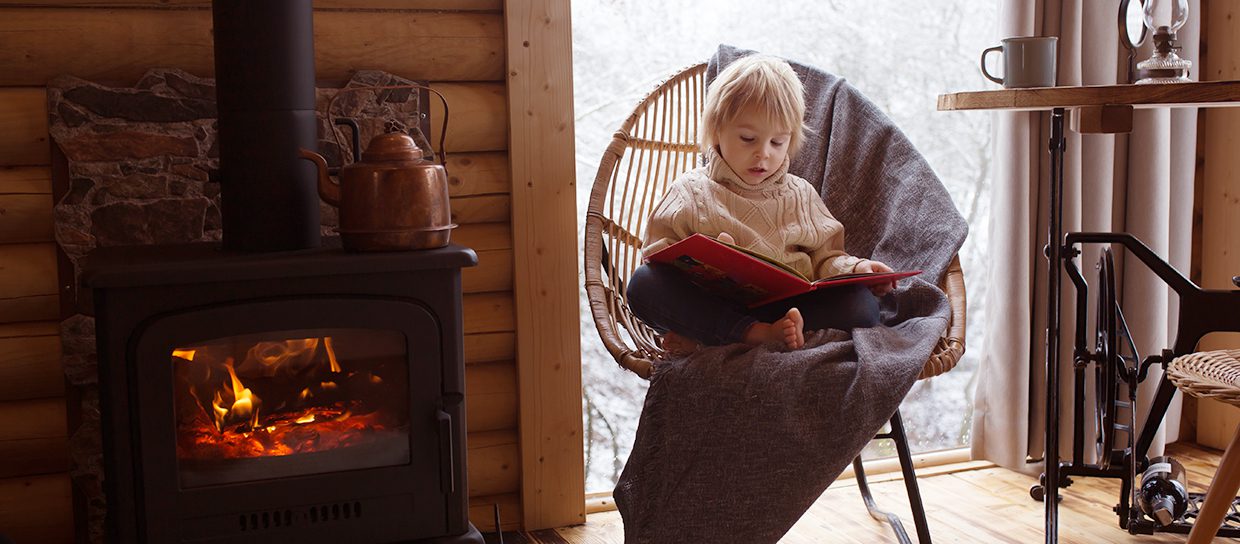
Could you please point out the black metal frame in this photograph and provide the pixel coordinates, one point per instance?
(1198, 316)
(910, 484)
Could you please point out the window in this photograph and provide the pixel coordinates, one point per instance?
(900, 55)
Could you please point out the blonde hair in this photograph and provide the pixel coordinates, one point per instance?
(763, 82)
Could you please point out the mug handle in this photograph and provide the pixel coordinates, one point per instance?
(984, 72)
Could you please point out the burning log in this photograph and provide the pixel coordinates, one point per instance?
(283, 398)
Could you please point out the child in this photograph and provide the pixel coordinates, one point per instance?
(751, 127)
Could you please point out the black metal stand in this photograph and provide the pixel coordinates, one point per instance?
(910, 485)
(1201, 312)
(1058, 144)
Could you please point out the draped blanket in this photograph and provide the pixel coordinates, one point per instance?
(736, 442)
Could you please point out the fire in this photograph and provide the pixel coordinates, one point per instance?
(233, 404)
(297, 353)
(318, 429)
(243, 404)
(331, 355)
(251, 397)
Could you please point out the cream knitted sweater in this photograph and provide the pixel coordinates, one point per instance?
(782, 217)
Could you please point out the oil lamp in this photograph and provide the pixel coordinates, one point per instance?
(1164, 18)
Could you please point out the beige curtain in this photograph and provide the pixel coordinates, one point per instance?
(1140, 183)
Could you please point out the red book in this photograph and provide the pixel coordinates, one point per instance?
(749, 278)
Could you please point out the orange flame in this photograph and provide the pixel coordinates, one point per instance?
(232, 426)
(276, 354)
(244, 405)
(331, 354)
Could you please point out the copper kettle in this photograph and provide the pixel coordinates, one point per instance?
(390, 200)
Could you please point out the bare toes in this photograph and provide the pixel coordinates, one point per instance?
(793, 325)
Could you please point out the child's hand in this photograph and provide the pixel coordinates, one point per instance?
(867, 266)
(726, 238)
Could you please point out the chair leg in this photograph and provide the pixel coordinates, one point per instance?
(876, 513)
(910, 479)
(910, 484)
(1220, 495)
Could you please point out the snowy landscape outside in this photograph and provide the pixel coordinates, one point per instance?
(901, 55)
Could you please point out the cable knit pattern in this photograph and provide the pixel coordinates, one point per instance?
(783, 217)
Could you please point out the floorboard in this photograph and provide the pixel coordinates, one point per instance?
(967, 503)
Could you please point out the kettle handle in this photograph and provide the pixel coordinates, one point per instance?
(443, 132)
(357, 136)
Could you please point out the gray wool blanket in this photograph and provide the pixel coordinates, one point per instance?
(735, 443)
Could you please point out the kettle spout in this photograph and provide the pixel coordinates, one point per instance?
(328, 191)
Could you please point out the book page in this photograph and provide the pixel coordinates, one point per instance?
(765, 258)
(731, 272)
(865, 278)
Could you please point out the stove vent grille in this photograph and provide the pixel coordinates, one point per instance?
(313, 515)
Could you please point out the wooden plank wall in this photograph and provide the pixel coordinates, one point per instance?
(540, 94)
(1220, 200)
(458, 45)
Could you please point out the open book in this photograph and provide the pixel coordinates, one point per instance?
(750, 278)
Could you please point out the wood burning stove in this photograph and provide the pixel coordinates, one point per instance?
(269, 389)
(300, 396)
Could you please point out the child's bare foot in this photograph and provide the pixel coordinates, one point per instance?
(793, 328)
(677, 345)
(790, 330)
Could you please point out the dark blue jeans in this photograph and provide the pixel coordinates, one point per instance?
(664, 298)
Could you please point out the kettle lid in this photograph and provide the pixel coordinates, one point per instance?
(392, 146)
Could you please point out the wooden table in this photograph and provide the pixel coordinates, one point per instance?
(1105, 109)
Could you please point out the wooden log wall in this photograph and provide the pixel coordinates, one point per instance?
(458, 45)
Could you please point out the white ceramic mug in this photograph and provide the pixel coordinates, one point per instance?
(1027, 62)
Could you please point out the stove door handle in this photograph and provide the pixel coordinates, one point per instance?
(446, 480)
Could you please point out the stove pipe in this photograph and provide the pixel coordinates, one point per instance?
(264, 72)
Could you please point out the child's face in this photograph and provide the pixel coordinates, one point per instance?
(753, 145)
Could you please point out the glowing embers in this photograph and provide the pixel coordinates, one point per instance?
(251, 396)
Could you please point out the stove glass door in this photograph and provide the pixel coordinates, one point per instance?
(288, 403)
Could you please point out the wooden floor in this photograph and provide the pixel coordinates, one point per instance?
(971, 502)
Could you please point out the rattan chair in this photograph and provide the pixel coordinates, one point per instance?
(657, 142)
(1213, 375)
